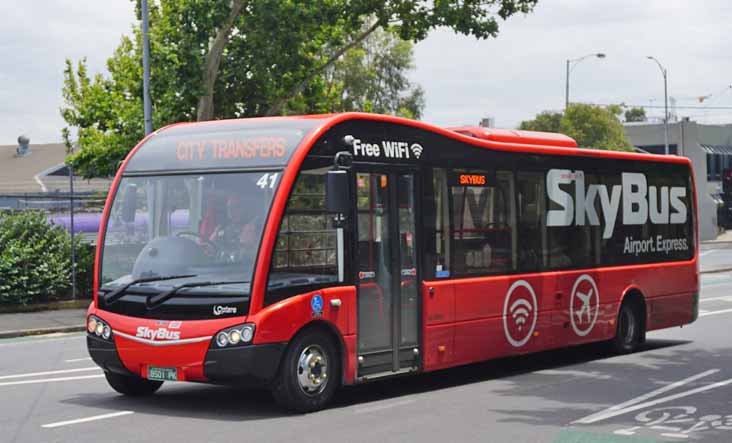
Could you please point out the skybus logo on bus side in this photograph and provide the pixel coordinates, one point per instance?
(388, 149)
(640, 201)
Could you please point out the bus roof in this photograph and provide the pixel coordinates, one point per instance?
(269, 142)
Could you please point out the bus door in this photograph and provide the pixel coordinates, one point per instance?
(388, 306)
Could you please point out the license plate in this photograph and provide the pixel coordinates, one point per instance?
(162, 374)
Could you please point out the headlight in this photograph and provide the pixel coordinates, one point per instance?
(98, 327)
(247, 333)
(235, 336)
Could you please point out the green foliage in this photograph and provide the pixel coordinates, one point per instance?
(635, 115)
(278, 51)
(372, 77)
(592, 126)
(35, 259)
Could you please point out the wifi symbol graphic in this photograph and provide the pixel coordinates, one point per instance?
(417, 150)
(520, 310)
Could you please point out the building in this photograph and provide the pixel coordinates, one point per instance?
(709, 147)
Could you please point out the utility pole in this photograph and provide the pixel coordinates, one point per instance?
(664, 72)
(146, 69)
(73, 233)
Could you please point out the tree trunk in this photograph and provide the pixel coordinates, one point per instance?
(212, 61)
(280, 103)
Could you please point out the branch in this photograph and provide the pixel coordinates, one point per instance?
(213, 59)
(280, 103)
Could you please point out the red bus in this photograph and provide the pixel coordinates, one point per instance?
(307, 253)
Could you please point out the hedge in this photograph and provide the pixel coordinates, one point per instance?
(35, 260)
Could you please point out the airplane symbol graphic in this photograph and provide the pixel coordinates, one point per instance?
(586, 305)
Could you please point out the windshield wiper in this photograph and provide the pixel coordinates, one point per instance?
(154, 301)
(116, 294)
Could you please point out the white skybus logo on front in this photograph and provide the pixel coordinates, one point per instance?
(663, 205)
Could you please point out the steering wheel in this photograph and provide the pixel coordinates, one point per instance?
(208, 246)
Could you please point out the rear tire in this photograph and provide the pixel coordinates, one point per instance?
(132, 385)
(629, 331)
(309, 373)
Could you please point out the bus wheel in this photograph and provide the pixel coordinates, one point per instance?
(629, 333)
(309, 373)
(132, 385)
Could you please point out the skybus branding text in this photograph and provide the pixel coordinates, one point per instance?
(663, 205)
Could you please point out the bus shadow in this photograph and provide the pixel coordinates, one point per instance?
(236, 404)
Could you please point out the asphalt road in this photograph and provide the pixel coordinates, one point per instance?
(678, 388)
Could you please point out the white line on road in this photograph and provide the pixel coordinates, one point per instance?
(63, 371)
(49, 380)
(384, 406)
(87, 419)
(725, 298)
(702, 254)
(572, 373)
(658, 401)
(74, 360)
(724, 311)
(592, 418)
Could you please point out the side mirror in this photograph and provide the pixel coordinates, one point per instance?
(129, 204)
(336, 191)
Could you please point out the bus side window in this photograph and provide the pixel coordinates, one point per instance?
(441, 223)
(305, 251)
(532, 237)
(483, 227)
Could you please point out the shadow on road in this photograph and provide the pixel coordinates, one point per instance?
(235, 404)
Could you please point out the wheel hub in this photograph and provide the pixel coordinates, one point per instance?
(312, 370)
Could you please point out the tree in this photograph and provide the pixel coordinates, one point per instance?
(591, 126)
(241, 58)
(635, 115)
(372, 77)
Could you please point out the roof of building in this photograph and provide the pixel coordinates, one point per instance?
(29, 173)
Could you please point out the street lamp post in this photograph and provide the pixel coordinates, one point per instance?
(571, 63)
(147, 106)
(665, 102)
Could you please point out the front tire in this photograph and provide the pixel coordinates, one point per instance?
(132, 385)
(309, 373)
(629, 329)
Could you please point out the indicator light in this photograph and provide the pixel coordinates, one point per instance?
(222, 339)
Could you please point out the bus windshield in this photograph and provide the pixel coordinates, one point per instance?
(206, 227)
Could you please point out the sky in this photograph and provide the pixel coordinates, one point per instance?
(510, 78)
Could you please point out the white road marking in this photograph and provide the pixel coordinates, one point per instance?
(384, 406)
(593, 417)
(723, 311)
(587, 374)
(702, 254)
(674, 435)
(74, 360)
(49, 380)
(658, 401)
(87, 419)
(726, 298)
(63, 371)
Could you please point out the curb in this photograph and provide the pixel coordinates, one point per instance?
(713, 271)
(41, 331)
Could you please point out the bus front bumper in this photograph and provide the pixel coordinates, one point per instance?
(252, 365)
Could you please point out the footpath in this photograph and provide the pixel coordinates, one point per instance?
(43, 322)
(714, 256)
